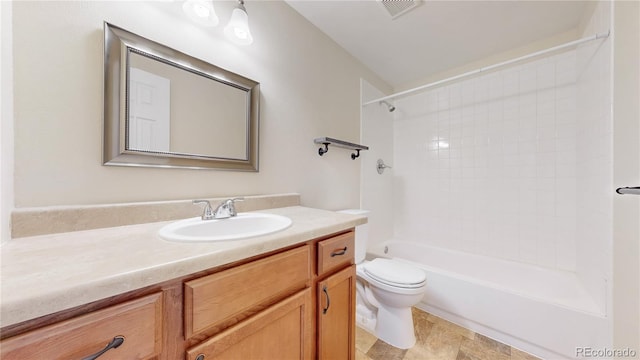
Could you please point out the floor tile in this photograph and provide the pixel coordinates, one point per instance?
(383, 351)
(493, 344)
(364, 339)
(439, 345)
(521, 355)
(464, 356)
(478, 350)
(361, 355)
(422, 325)
(437, 339)
(444, 325)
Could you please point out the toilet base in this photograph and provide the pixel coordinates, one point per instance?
(366, 318)
(395, 327)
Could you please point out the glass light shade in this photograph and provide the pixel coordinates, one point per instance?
(238, 28)
(201, 12)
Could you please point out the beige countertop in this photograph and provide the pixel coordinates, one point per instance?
(45, 274)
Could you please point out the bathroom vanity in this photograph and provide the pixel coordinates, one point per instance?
(289, 295)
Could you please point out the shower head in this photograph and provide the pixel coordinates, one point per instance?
(389, 106)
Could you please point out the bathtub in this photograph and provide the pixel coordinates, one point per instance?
(541, 311)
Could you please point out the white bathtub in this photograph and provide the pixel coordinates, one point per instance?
(542, 311)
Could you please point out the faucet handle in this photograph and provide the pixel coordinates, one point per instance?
(231, 203)
(226, 209)
(207, 214)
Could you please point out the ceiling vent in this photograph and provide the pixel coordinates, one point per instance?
(396, 8)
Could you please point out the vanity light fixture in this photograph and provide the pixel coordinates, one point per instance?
(201, 12)
(238, 28)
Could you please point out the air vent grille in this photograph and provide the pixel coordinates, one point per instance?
(395, 8)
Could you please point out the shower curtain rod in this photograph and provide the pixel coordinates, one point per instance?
(491, 67)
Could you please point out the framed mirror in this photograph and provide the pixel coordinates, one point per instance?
(163, 108)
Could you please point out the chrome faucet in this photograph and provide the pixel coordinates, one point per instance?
(207, 214)
(225, 210)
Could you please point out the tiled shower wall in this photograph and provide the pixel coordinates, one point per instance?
(489, 165)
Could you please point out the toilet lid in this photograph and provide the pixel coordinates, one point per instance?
(395, 273)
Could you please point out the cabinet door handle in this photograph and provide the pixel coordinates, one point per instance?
(324, 289)
(200, 357)
(117, 341)
(338, 253)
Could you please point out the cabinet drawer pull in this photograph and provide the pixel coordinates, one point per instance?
(324, 289)
(117, 341)
(200, 357)
(338, 253)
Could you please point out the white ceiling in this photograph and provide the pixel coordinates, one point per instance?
(437, 35)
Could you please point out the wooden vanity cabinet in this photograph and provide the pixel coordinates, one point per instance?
(259, 310)
(323, 274)
(219, 300)
(298, 303)
(336, 294)
(134, 326)
(282, 331)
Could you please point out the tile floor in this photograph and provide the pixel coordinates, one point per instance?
(437, 339)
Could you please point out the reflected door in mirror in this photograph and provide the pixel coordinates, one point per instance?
(149, 111)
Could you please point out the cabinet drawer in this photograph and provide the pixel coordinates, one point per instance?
(139, 322)
(230, 295)
(336, 252)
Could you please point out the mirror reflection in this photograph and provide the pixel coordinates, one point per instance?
(177, 111)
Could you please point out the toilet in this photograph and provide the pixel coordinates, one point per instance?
(386, 289)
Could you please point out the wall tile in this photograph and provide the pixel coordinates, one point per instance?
(498, 145)
(495, 165)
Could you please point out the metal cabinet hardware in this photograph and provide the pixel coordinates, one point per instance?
(324, 289)
(340, 252)
(117, 341)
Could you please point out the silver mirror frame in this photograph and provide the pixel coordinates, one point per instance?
(117, 44)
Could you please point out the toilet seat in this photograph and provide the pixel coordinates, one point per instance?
(394, 273)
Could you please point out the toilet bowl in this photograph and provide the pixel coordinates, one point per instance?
(392, 288)
(386, 289)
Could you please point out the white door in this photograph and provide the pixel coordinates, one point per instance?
(149, 111)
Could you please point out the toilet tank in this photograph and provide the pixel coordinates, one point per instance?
(362, 234)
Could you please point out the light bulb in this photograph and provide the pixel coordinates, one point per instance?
(241, 33)
(238, 28)
(201, 12)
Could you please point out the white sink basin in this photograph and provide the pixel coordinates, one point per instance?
(242, 226)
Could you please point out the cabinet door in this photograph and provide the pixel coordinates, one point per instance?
(131, 330)
(283, 332)
(336, 315)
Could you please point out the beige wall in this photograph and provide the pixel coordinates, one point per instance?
(6, 121)
(626, 160)
(310, 88)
